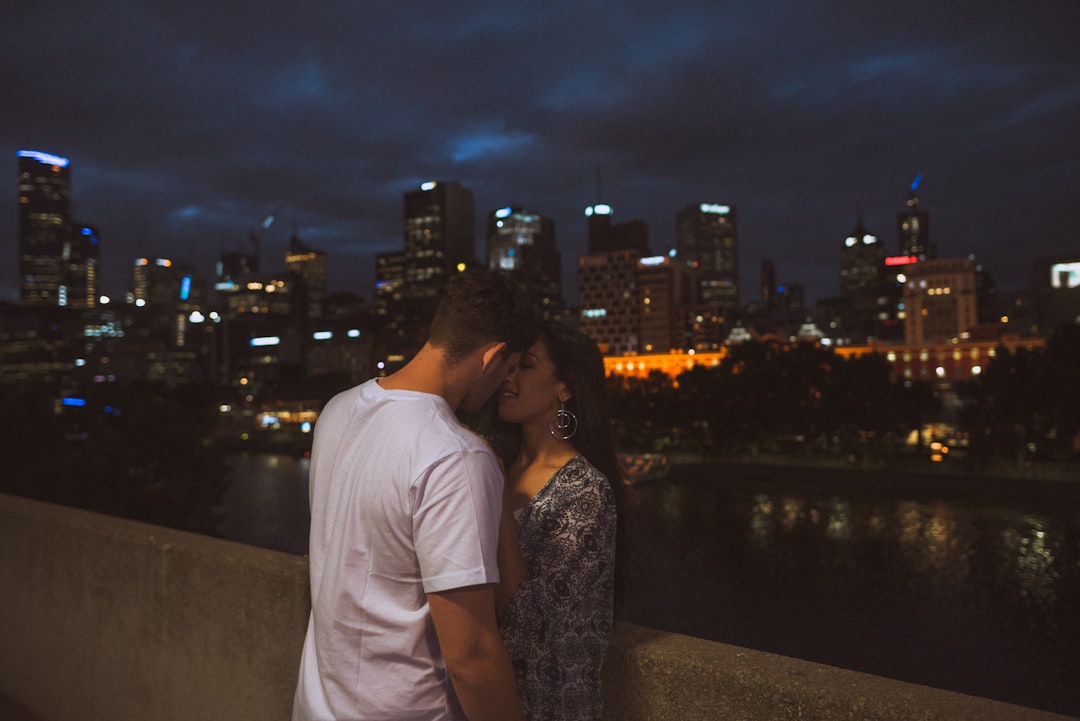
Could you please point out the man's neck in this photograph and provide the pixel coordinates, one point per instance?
(427, 372)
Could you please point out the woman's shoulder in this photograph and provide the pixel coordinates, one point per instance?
(581, 470)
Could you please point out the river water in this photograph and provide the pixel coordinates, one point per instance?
(962, 584)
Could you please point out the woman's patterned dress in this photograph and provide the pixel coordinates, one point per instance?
(559, 620)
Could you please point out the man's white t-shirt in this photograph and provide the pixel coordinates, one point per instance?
(405, 501)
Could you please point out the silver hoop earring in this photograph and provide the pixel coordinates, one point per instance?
(564, 426)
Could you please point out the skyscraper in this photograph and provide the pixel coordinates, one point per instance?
(309, 268)
(706, 238)
(768, 285)
(862, 268)
(440, 237)
(608, 300)
(440, 231)
(606, 236)
(663, 285)
(913, 227)
(522, 243)
(44, 226)
(79, 286)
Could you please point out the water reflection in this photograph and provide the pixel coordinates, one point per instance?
(1028, 551)
(963, 592)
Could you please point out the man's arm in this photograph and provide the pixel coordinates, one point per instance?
(511, 563)
(479, 666)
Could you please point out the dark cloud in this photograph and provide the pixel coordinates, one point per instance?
(190, 123)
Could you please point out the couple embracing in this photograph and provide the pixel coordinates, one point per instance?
(449, 582)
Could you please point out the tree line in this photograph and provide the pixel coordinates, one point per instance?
(803, 398)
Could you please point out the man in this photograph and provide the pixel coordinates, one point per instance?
(405, 507)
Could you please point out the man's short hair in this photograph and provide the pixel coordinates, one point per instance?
(480, 307)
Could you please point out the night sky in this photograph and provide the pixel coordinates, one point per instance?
(189, 123)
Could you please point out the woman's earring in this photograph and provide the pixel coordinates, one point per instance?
(564, 426)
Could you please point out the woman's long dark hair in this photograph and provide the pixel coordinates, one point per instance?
(580, 365)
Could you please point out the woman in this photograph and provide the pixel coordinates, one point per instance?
(561, 486)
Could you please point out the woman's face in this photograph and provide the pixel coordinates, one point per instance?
(531, 392)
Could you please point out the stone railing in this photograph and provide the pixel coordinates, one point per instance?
(103, 618)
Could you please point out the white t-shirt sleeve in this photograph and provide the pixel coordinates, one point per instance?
(456, 507)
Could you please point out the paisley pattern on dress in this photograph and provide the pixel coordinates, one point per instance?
(559, 621)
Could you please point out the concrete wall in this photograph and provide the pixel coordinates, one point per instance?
(102, 618)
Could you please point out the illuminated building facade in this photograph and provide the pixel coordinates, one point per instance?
(664, 293)
(522, 244)
(234, 268)
(913, 227)
(167, 294)
(440, 239)
(269, 296)
(44, 184)
(942, 363)
(1055, 283)
(389, 280)
(939, 363)
(440, 232)
(940, 300)
(608, 301)
(890, 326)
(706, 238)
(308, 268)
(36, 344)
(80, 271)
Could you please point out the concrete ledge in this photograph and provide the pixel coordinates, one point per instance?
(657, 676)
(102, 618)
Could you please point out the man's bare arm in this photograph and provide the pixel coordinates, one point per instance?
(479, 666)
(511, 563)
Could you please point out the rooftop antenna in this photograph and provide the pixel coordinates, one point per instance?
(913, 198)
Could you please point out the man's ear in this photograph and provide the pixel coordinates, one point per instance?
(491, 355)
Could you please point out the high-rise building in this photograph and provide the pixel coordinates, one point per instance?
(706, 238)
(232, 269)
(913, 227)
(862, 268)
(664, 289)
(166, 294)
(768, 285)
(440, 232)
(890, 326)
(608, 300)
(161, 283)
(44, 183)
(522, 244)
(606, 236)
(440, 239)
(389, 279)
(308, 267)
(79, 288)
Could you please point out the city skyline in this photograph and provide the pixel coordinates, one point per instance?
(187, 127)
